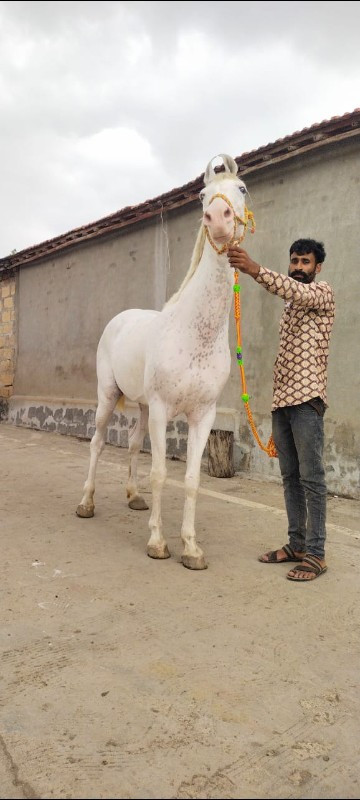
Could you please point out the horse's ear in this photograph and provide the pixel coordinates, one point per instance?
(228, 165)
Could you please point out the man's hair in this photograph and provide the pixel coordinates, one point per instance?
(303, 246)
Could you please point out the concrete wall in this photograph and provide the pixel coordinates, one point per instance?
(65, 302)
(316, 195)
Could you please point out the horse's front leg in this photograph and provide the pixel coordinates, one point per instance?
(157, 547)
(199, 429)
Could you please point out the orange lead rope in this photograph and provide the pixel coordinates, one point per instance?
(270, 448)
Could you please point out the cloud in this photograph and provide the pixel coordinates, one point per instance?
(107, 105)
(117, 148)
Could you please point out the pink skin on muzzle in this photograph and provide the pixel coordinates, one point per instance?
(219, 219)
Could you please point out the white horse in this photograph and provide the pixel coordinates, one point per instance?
(175, 361)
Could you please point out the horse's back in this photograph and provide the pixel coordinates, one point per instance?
(127, 322)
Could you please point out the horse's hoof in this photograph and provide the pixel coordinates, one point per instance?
(194, 562)
(85, 511)
(138, 503)
(158, 552)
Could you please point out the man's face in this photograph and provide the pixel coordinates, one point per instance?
(303, 268)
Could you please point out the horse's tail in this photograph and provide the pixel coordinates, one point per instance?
(120, 405)
(195, 261)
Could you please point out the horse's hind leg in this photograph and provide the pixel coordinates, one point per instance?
(107, 399)
(136, 438)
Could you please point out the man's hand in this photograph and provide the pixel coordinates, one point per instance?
(239, 259)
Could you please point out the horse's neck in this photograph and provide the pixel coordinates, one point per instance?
(209, 291)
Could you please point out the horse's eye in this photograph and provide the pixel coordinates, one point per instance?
(242, 189)
(201, 196)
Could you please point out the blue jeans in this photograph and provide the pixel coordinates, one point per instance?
(298, 433)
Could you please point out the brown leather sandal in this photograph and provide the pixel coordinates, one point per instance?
(309, 564)
(272, 556)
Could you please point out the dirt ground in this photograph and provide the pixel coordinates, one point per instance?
(126, 677)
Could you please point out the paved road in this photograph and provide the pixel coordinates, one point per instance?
(125, 677)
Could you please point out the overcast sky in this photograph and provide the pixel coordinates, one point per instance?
(105, 105)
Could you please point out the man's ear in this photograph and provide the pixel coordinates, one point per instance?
(318, 267)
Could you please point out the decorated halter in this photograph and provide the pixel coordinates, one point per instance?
(248, 217)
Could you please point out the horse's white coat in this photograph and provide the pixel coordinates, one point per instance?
(174, 361)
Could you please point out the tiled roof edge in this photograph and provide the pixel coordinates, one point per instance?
(319, 134)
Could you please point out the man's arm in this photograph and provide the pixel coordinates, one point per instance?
(310, 295)
(240, 259)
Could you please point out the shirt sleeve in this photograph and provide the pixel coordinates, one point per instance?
(308, 295)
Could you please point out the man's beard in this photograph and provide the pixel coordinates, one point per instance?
(301, 276)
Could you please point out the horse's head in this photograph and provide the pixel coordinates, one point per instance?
(225, 215)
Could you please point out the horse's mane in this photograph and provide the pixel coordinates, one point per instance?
(194, 263)
(199, 244)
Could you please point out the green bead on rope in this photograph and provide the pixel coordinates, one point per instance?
(239, 356)
(245, 397)
(236, 287)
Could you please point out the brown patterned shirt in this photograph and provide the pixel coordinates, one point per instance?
(300, 370)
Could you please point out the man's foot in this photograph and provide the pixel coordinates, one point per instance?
(309, 569)
(282, 555)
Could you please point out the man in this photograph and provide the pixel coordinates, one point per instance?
(299, 399)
